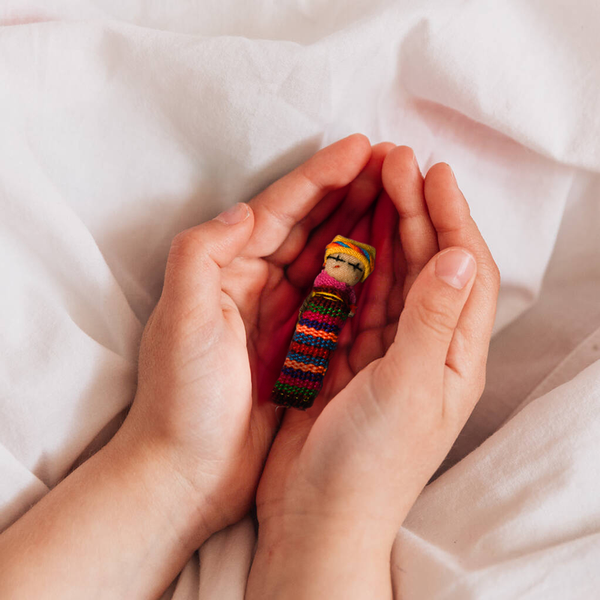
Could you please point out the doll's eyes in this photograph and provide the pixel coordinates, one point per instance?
(355, 266)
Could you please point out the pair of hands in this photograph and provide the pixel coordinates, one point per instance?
(408, 370)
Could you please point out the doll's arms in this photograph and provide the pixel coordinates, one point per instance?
(341, 477)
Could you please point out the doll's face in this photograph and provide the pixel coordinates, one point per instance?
(344, 268)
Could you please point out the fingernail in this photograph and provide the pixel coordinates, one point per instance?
(236, 214)
(455, 267)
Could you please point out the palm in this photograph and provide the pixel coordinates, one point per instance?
(280, 292)
(367, 336)
(269, 281)
(364, 339)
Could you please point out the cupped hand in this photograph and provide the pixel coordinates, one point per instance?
(211, 349)
(407, 373)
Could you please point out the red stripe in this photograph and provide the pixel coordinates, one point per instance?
(299, 383)
(310, 350)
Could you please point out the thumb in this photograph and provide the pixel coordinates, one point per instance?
(197, 255)
(431, 314)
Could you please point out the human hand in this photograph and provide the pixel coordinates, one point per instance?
(186, 461)
(210, 350)
(341, 477)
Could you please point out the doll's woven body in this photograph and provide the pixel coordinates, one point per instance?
(314, 340)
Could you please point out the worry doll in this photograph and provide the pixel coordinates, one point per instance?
(322, 316)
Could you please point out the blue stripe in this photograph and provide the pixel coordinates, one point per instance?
(310, 340)
(367, 255)
(302, 375)
(309, 360)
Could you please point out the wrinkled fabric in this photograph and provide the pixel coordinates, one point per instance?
(125, 122)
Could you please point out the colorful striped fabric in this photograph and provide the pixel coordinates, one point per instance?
(313, 342)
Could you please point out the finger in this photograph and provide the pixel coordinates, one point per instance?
(284, 203)
(371, 316)
(361, 195)
(403, 182)
(397, 297)
(296, 240)
(373, 309)
(362, 233)
(197, 255)
(428, 321)
(451, 217)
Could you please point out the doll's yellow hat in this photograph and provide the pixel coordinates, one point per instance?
(362, 252)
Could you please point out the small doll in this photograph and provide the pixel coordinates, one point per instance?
(321, 319)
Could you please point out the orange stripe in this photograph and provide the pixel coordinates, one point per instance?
(320, 334)
(304, 367)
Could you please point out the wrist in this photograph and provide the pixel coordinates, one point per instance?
(301, 556)
(150, 465)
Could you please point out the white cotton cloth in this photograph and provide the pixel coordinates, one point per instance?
(126, 122)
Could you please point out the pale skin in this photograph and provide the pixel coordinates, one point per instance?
(340, 477)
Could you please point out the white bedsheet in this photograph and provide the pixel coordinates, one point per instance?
(122, 123)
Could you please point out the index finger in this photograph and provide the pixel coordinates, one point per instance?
(279, 207)
(451, 217)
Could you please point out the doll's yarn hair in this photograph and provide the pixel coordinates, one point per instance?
(364, 253)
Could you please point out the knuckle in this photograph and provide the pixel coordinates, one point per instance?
(189, 249)
(184, 244)
(491, 275)
(436, 317)
(487, 266)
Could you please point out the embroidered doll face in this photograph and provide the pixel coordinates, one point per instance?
(344, 268)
